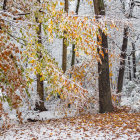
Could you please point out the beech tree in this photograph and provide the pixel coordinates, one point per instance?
(45, 66)
(40, 88)
(105, 101)
(32, 21)
(64, 53)
(12, 80)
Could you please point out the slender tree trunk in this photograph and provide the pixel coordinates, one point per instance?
(129, 67)
(77, 7)
(73, 46)
(122, 62)
(73, 55)
(105, 101)
(64, 53)
(66, 6)
(40, 88)
(134, 60)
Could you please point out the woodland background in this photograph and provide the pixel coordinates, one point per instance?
(72, 58)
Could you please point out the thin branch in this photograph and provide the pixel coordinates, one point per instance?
(23, 14)
(16, 38)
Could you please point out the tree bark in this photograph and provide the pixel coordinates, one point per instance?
(134, 60)
(64, 52)
(40, 88)
(105, 101)
(122, 62)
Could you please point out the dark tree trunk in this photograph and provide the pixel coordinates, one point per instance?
(134, 60)
(77, 7)
(73, 46)
(64, 52)
(66, 6)
(122, 62)
(4, 4)
(105, 101)
(129, 67)
(73, 55)
(40, 88)
(40, 105)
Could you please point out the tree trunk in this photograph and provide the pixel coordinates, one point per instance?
(4, 4)
(105, 101)
(73, 46)
(77, 7)
(64, 53)
(40, 88)
(129, 67)
(40, 91)
(122, 62)
(134, 60)
(73, 55)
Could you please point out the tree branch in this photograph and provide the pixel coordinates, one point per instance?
(16, 38)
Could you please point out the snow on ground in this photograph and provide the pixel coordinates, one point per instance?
(131, 96)
(118, 126)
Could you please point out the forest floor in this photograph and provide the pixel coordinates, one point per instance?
(121, 126)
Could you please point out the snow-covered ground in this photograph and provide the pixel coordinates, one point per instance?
(121, 126)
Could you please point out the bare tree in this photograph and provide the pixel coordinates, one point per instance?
(122, 62)
(124, 46)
